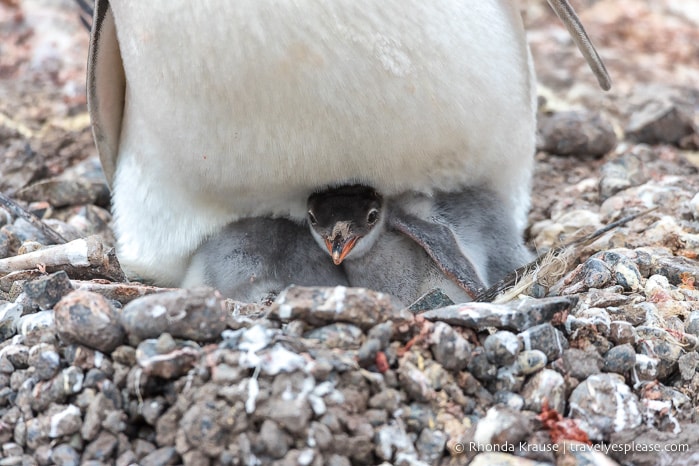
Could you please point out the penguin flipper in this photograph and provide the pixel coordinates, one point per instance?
(439, 243)
(106, 86)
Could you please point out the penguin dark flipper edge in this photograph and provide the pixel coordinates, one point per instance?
(439, 243)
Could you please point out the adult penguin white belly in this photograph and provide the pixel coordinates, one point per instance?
(207, 112)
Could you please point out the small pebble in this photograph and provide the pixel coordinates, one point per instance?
(449, 348)
(546, 385)
(529, 361)
(546, 338)
(320, 306)
(659, 344)
(688, 364)
(692, 325)
(87, 318)
(660, 122)
(646, 368)
(575, 133)
(9, 318)
(168, 364)
(619, 174)
(430, 445)
(45, 360)
(502, 347)
(621, 332)
(501, 426)
(620, 359)
(46, 291)
(65, 455)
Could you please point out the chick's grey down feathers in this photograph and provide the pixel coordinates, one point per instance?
(458, 242)
(251, 259)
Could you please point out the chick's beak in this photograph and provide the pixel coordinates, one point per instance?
(340, 247)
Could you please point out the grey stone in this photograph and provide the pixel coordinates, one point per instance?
(161, 457)
(580, 364)
(338, 335)
(544, 385)
(529, 361)
(516, 315)
(430, 445)
(449, 348)
(65, 455)
(545, 338)
(621, 332)
(620, 359)
(433, 299)
(688, 364)
(604, 404)
(575, 133)
(46, 291)
(621, 173)
(198, 314)
(502, 347)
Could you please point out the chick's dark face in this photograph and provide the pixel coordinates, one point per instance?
(342, 216)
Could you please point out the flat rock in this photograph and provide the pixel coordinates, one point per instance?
(197, 314)
(516, 315)
(668, 448)
(575, 133)
(319, 306)
(660, 120)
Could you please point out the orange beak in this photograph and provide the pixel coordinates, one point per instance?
(339, 247)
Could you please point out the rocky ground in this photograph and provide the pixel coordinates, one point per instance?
(600, 368)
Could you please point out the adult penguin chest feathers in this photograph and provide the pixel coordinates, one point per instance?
(397, 94)
(242, 109)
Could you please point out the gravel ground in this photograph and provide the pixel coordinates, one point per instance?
(598, 366)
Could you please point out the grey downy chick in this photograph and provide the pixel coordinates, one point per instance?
(459, 242)
(253, 259)
(351, 224)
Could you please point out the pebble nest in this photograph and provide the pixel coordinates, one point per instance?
(592, 361)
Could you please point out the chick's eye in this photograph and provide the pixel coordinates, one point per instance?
(312, 218)
(372, 217)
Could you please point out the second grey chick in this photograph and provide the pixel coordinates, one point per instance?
(459, 242)
(253, 259)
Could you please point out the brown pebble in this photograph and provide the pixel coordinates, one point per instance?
(88, 319)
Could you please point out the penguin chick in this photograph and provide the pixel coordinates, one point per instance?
(252, 259)
(346, 220)
(415, 243)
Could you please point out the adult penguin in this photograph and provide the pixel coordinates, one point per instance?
(208, 112)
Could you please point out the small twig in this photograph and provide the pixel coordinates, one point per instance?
(18, 211)
(122, 292)
(81, 258)
(552, 258)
